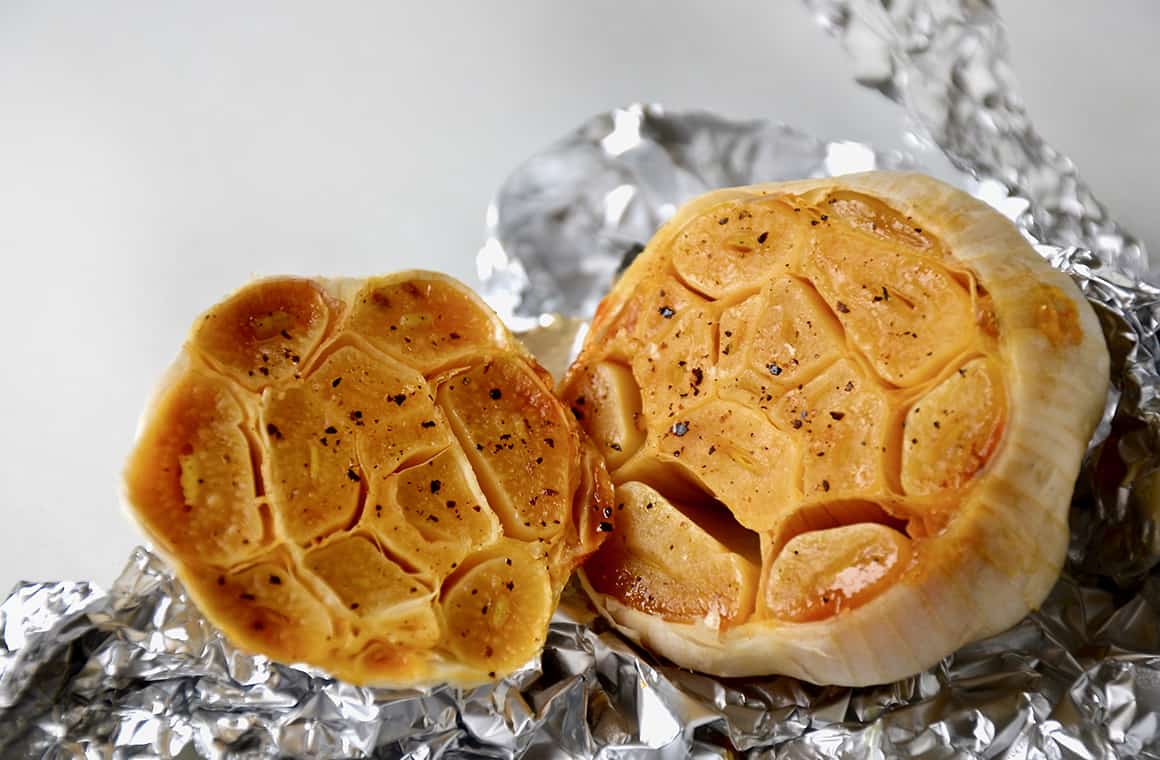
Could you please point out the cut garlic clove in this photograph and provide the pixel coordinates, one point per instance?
(497, 612)
(608, 398)
(669, 564)
(818, 573)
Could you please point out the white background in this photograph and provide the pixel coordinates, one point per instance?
(154, 156)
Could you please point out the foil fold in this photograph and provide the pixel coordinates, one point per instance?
(135, 671)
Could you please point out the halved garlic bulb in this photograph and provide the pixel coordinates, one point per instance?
(844, 417)
(369, 476)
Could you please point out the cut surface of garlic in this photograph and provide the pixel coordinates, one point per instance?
(370, 476)
(844, 418)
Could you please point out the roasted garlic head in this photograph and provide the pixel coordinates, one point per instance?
(844, 418)
(369, 476)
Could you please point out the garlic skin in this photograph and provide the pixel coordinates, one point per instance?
(870, 392)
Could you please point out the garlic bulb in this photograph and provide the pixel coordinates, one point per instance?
(844, 418)
(372, 477)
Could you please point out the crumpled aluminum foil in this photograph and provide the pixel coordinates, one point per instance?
(946, 62)
(136, 672)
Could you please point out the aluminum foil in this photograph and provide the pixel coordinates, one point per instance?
(946, 62)
(135, 671)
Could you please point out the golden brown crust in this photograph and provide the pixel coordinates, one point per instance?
(372, 477)
(878, 380)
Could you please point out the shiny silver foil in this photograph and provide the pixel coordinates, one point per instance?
(135, 671)
(946, 62)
